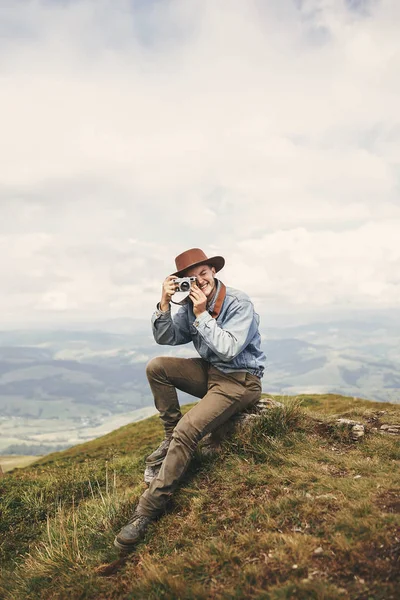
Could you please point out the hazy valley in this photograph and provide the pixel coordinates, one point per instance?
(59, 388)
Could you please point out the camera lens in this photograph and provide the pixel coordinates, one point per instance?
(185, 286)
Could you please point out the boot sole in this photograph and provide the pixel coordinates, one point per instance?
(124, 548)
(154, 463)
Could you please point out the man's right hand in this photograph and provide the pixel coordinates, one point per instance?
(168, 290)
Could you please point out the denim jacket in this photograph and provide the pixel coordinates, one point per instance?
(231, 342)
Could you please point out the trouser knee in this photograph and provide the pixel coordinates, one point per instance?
(154, 367)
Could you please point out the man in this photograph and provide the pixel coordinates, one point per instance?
(222, 324)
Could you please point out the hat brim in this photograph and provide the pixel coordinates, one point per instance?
(217, 262)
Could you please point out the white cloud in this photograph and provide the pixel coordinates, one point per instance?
(354, 268)
(268, 132)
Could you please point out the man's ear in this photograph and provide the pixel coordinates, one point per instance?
(213, 270)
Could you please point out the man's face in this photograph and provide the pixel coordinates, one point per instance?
(205, 278)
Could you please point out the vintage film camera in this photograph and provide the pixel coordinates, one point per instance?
(183, 284)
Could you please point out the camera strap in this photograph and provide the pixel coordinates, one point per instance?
(219, 301)
(183, 301)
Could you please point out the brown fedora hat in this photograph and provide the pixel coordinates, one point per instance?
(194, 257)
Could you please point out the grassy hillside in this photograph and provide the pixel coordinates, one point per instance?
(290, 509)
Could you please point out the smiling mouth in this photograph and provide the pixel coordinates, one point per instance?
(203, 286)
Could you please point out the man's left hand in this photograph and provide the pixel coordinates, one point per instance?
(199, 300)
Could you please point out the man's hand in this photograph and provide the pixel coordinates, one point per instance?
(168, 290)
(199, 300)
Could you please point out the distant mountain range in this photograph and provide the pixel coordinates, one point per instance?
(60, 387)
(353, 358)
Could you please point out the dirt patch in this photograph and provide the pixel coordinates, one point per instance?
(112, 568)
(375, 419)
(369, 571)
(389, 501)
(336, 471)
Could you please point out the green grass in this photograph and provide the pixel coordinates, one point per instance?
(290, 508)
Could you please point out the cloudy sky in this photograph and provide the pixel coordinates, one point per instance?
(265, 131)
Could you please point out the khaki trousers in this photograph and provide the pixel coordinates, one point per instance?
(222, 395)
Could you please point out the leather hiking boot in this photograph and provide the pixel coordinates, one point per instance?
(156, 457)
(132, 533)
